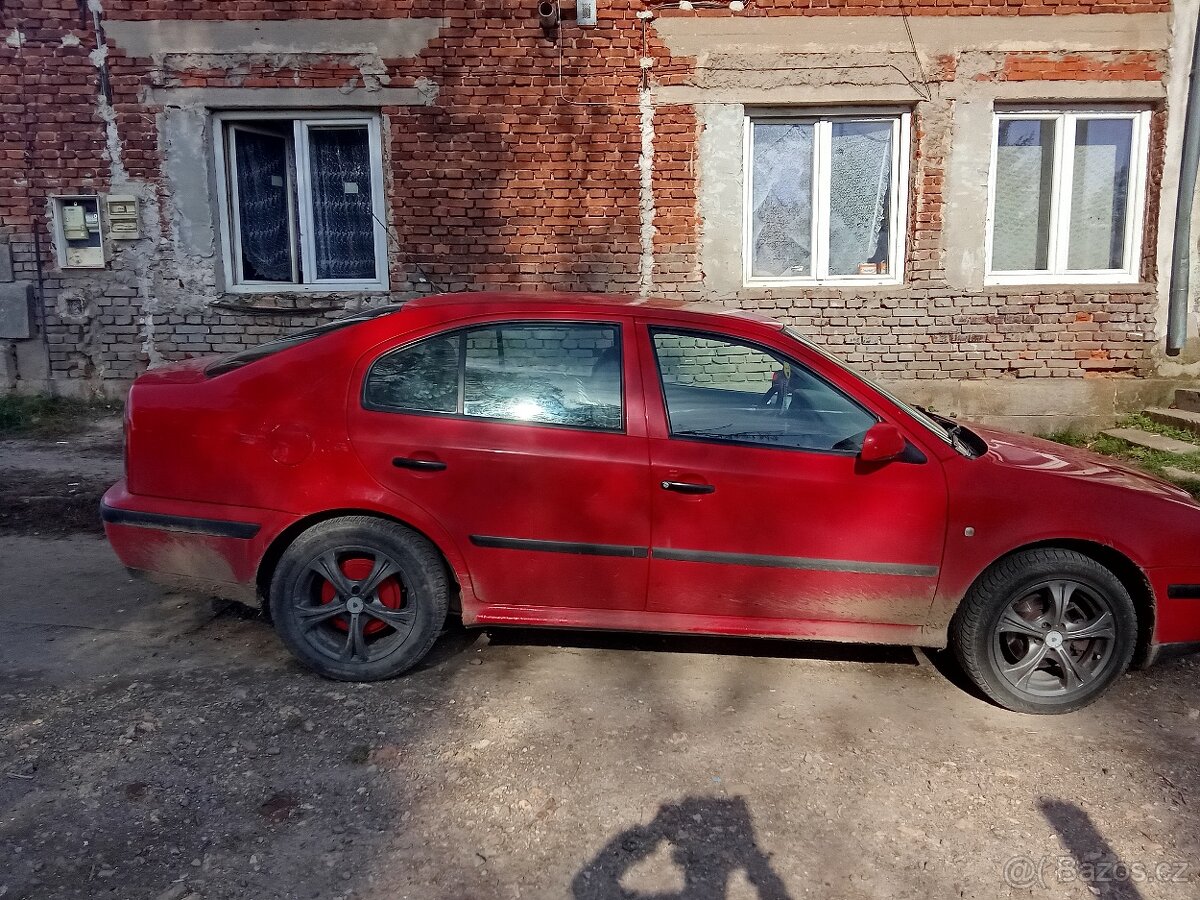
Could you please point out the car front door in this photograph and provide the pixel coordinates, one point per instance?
(761, 508)
(521, 439)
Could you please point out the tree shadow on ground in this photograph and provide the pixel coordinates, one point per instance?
(711, 839)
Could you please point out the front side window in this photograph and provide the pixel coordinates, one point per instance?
(721, 389)
(1067, 190)
(302, 204)
(550, 374)
(825, 199)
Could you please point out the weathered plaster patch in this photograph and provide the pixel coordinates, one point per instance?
(693, 36)
(288, 98)
(70, 39)
(393, 38)
(15, 38)
(646, 193)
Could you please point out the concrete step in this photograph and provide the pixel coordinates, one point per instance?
(1188, 398)
(1181, 474)
(1139, 438)
(1176, 418)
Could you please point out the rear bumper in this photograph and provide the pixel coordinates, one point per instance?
(196, 546)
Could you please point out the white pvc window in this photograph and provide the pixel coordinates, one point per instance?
(826, 199)
(1067, 196)
(302, 202)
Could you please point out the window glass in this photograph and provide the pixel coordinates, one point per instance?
(301, 198)
(860, 181)
(798, 230)
(343, 228)
(1024, 185)
(264, 205)
(722, 389)
(1100, 193)
(422, 377)
(1064, 194)
(552, 374)
(782, 196)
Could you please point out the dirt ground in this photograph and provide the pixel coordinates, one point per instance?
(158, 745)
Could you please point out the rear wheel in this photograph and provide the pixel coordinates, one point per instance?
(359, 599)
(1045, 631)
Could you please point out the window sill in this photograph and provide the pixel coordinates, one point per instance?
(766, 284)
(309, 290)
(1062, 281)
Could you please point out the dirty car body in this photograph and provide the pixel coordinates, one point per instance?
(601, 462)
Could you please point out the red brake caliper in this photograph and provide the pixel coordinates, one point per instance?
(356, 568)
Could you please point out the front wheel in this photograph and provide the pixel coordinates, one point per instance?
(359, 599)
(1045, 631)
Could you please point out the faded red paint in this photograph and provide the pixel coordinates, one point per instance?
(204, 448)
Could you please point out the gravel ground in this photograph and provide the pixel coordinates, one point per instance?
(157, 745)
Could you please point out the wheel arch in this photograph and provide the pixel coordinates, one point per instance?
(1128, 572)
(280, 543)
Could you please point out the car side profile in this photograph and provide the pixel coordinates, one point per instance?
(599, 462)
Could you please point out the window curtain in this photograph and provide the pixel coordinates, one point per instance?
(343, 225)
(263, 212)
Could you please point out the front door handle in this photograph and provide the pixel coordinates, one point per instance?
(423, 465)
(687, 487)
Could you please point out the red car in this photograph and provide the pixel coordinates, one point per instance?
(600, 462)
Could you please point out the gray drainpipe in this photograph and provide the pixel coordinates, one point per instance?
(1181, 246)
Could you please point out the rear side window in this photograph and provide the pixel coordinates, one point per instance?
(537, 373)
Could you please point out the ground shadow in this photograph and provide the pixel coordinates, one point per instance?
(711, 839)
(702, 644)
(1096, 863)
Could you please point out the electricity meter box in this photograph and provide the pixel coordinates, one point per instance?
(122, 217)
(78, 234)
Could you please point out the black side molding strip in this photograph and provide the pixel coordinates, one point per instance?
(1183, 591)
(794, 562)
(189, 524)
(505, 543)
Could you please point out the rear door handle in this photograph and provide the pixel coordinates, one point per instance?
(687, 487)
(423, 465)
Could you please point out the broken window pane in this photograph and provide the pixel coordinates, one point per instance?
(264, 206)
(860, 198)
(343, 227)
(1024, 184)
(782, 199)
(1100, 193)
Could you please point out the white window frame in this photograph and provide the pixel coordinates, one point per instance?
(822, 154)
(1060, 197)
(302, 122)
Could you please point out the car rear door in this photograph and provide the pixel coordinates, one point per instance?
(760, 506)
(524, 439)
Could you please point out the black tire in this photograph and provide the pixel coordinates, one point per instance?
(1032, 603)
(345, 627)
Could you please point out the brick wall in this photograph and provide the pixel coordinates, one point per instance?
(513, 177)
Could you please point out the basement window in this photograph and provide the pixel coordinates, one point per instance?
(1067, 196)
(826, 199)
(302, 202)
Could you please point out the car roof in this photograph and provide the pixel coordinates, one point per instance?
(616, 303)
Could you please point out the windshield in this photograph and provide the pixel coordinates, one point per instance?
(916, 412)
(245, 357)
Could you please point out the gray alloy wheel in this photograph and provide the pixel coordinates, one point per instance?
(1045, 631)
(359, 599)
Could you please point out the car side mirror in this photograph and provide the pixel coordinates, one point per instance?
(883, 441)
